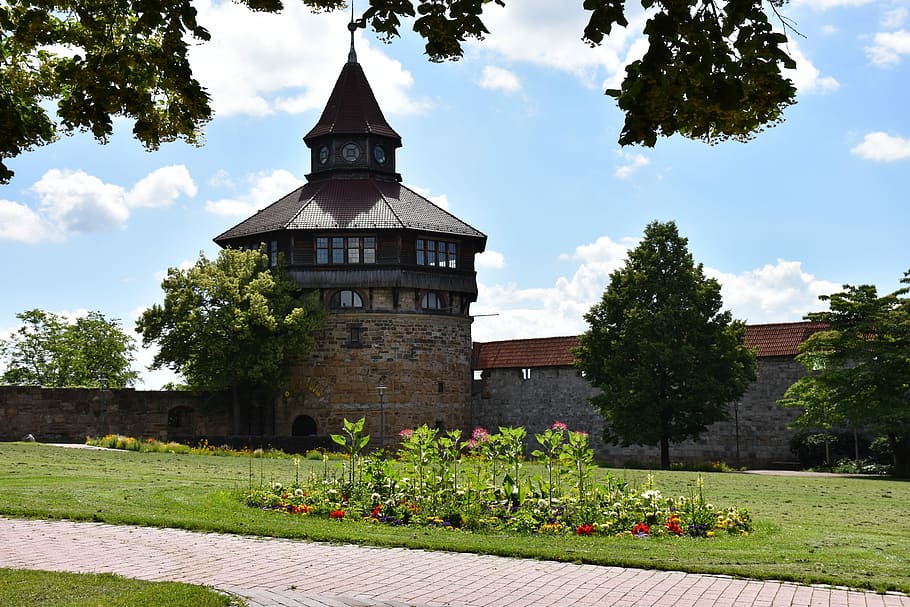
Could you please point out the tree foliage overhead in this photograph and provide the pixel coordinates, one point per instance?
(859, 368)
(712, 70)
(231, 322)
(667, 359)
(48, 351)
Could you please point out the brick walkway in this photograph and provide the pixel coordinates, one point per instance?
(286, 573)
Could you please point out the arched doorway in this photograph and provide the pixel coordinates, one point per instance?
(304, 425)
(180, 421)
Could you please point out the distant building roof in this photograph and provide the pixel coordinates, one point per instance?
(778, 339)
(363, 203)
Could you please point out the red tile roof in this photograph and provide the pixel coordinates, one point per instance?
(778, 339)
(524, 353)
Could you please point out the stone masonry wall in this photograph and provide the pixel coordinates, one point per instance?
(71, 414)
(423, 360)
(755, 435)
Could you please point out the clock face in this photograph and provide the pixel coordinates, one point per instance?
(323, 155)
(379, 154)
(350, 152)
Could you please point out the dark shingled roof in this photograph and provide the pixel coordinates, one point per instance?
(351, 204)
(352, 108)
(778, 339)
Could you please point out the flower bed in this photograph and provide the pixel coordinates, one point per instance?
(479, 485)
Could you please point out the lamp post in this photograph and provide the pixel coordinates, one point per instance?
(381, 389)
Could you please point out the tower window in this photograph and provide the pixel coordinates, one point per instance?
(339, 250)
(355, 335)
(346, 299)
(437, 253)
(273, 253)
(431, 301)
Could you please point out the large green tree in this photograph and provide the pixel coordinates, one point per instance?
(667, 359)
(232, 323)
(48, 351)
(712, 70)
(859, 368)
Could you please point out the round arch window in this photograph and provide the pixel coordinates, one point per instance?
(346, 299)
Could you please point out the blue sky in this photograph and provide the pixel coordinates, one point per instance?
(516, 139)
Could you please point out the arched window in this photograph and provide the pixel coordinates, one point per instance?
(432, 301)
(304, 425)
(346, 299)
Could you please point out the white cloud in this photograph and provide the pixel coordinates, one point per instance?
(829, 30)
(492, 260)
(823, 5)
(162, 187)
(74, 202)
(265, 188)
(774, 293)
(806, 77)
(882, 147)
(782, 292)
(894, 18)
(512, 27)
(633, 162)
(888, 48)
(21, 223)
(499, 79)
(261, 63)
(440, 200)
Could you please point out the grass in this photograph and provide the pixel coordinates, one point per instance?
(21, 588)
(842, 531)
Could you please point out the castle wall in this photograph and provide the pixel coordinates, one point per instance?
(71, 414)
(422, 359)
(755, 435)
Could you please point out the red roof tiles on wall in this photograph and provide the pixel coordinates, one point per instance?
(778, 339)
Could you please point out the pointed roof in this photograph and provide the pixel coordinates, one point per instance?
(352, 108)
(351, 204)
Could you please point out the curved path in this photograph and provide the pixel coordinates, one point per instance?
(287, 573)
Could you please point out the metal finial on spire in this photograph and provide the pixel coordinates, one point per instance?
(352, 27)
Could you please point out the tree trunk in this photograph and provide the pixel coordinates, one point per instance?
(664, 453)
(900, 448)
(236, 411)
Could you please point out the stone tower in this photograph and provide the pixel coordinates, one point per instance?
(394, 271)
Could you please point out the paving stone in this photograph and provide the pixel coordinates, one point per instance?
(288, 573)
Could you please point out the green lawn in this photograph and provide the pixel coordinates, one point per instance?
(19, 588)
(844, 531)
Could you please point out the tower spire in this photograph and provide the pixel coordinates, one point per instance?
(352, 27)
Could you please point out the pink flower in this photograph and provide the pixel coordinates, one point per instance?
(558, 425)
(406, 433)
(480, 435)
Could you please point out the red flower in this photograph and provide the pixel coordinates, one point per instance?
(673, 527)
(376, 510)
(641, 529)
(336, 514)
(586, 529)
